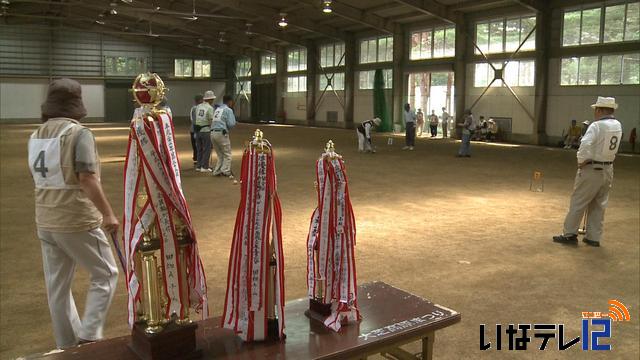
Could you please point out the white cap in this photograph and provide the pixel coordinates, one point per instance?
(586, 122)
(605, 102)
(209, 95)
(377, 121)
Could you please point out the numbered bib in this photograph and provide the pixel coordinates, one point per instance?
(44, 162)
(611, 143)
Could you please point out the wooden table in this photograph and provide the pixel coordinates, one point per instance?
(391, 318)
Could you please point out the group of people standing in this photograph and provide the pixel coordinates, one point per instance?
(210, 129)
(414, 123)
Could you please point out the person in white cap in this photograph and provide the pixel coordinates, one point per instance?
(596, 154)
(364, 134)
(202, 128)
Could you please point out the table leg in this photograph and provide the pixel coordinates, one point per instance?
(427, 346)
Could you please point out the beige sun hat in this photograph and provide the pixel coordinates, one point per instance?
(605, 102)
(377, 121)
(209, 95)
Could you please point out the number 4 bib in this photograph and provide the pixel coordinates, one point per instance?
(44, 162)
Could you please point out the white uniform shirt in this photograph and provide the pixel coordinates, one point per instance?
(601, 141)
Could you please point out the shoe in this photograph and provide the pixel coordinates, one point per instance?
(459, 156)
(410, 147)
(591, 242)
(198, 169)
(405, 148)
(467, 156)
(569, 240)
(206, 170)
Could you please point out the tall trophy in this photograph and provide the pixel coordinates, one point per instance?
(254, 303)
(331, 266)
(165, 277)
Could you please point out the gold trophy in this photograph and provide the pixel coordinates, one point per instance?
(272, 320)
(317, 306)
(157, 334)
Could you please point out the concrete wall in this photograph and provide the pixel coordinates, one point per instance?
(181, 93)
(573, 102)
(363, 104)
(295, 107)
(20, 98)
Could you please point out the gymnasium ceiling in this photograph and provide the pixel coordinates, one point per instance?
(236, 27)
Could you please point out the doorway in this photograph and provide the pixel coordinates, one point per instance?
(263, 104)
(432, 91)
(118, 102)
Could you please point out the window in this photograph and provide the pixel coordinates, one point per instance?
(243, 87)
(516, 73)
(243, 67)
(201, 68)
(297, 59)
(267, 64)
(502, 35)
(183, 68)
(433, 43)
(614, 70)
(376, 50)
(297, 84)
(124, 66)
(337, 81)
(367, 79)
(583, 27)
(631, 69)
(332, 55)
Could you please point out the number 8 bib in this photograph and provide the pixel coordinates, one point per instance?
(611, 143)
(44, 162)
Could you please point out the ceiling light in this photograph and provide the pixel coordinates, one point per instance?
(100, 22)
(113, 12)
(127, 1)
(326, 7)
(283, 20)
(5, 2)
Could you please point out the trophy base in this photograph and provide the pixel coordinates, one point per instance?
(319, 308)
(175, 341)
(273, 330)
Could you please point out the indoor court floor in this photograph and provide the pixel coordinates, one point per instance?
(464, 233)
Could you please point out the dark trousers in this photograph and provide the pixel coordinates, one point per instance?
(434, 130)
(204, 149)
(410, 134)
(194, 147)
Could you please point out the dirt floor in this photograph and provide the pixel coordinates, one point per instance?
(464, 233)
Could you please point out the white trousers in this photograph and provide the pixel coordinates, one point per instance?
(363, 143)
(590, 194)
(222, 146)
(60, 254)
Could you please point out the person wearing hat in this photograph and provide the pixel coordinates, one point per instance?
(364, 134)
(596, 154)
(70, 208)
(223, 121)
(204, 116)
(192, 116)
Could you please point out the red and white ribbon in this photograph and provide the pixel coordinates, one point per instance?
(152, 164)
(332, 234)
(258, 223)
